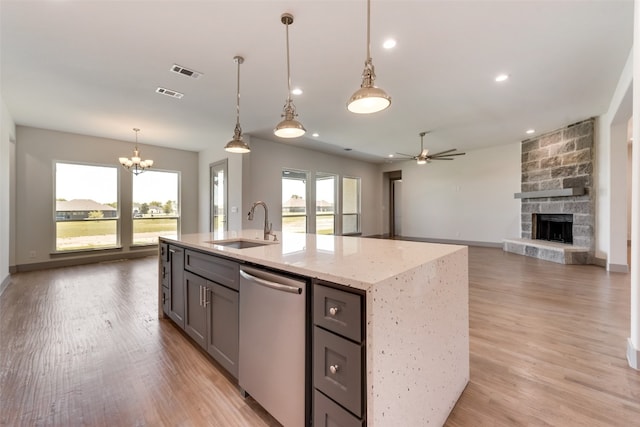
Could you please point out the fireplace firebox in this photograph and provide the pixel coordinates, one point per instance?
(553, 227)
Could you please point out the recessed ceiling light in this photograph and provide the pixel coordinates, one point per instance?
(390, 155)
(530, 131)
(316, 134)
(296, 91)
(502, 77)
(389, 44)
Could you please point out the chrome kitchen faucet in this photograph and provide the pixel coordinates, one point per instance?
(267, 225)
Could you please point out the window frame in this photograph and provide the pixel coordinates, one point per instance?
(178, 216)
(358, 214)
(336, 207)
(306, 197)
(117, 218)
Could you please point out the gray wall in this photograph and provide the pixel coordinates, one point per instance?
(7, 154)
(262, 172)
(36, 152)
(469, 199)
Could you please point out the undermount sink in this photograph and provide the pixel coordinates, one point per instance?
(239, 244)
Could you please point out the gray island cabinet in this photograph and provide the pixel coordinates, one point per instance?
(388, 322)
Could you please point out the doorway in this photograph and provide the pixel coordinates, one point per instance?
(218, 195)
(394, 179)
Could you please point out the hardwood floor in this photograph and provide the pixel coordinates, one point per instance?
(83, 346)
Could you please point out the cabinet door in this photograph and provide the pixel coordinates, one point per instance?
(195, 318)
(176, 288)
(223, 338)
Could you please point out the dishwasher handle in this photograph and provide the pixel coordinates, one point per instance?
(270, 284)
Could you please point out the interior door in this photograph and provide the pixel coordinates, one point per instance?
(218, 190)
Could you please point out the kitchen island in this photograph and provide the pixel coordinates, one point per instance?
(415, 312)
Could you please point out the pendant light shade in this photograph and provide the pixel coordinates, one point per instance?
(368, 99)
(289, 127)
(237, 144)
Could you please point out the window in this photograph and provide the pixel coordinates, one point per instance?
(294, 201)
(86, 207)
(350, 205)
(325, 203)
(156, 209)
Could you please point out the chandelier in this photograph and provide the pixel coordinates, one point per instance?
(135, 164)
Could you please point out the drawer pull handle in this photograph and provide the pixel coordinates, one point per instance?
(333, 311)
(334, 368)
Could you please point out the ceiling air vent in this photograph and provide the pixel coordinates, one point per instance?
(169, 92)
(179, 69)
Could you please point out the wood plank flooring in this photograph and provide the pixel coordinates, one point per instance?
(83, 346)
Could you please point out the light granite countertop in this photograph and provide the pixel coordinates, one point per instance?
(352, 261)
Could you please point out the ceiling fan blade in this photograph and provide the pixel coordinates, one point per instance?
(439, 158)
(443, 152)
(448, 155)
(409, 156)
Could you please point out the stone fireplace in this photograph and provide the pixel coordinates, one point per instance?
(557, 206)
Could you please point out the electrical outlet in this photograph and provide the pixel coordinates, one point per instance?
(32, 254)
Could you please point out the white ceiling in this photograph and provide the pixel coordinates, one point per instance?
(92, 67)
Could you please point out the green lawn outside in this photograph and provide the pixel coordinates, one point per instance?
(92, 234)
(296, 224)
(106, 227)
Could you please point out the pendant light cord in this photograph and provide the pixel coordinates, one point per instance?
(368, 31)
(288, 65)
(136, 130)
(238, 94)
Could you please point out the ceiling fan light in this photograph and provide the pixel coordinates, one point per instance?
(421, 161)
(289, 128)
(368, 99)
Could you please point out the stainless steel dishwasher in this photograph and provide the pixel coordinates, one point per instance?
(273, 344)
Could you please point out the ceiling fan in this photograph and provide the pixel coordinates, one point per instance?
(425, 157)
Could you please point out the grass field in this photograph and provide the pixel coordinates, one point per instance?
(88, 234)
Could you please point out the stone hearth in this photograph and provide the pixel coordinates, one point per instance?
(557, 178)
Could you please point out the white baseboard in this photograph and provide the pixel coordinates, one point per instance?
(618, 268)
(633, 355)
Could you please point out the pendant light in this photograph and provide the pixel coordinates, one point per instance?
(237, 145)
(289, 127)
(368, 99)
(135, 164)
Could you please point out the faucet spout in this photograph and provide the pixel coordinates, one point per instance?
(267, 225)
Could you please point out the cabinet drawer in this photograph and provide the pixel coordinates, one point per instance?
(164, 252)
(326, 413)
(219, 270)
(338, 311)
(337, 369)
(166, 300)
(165, 274)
